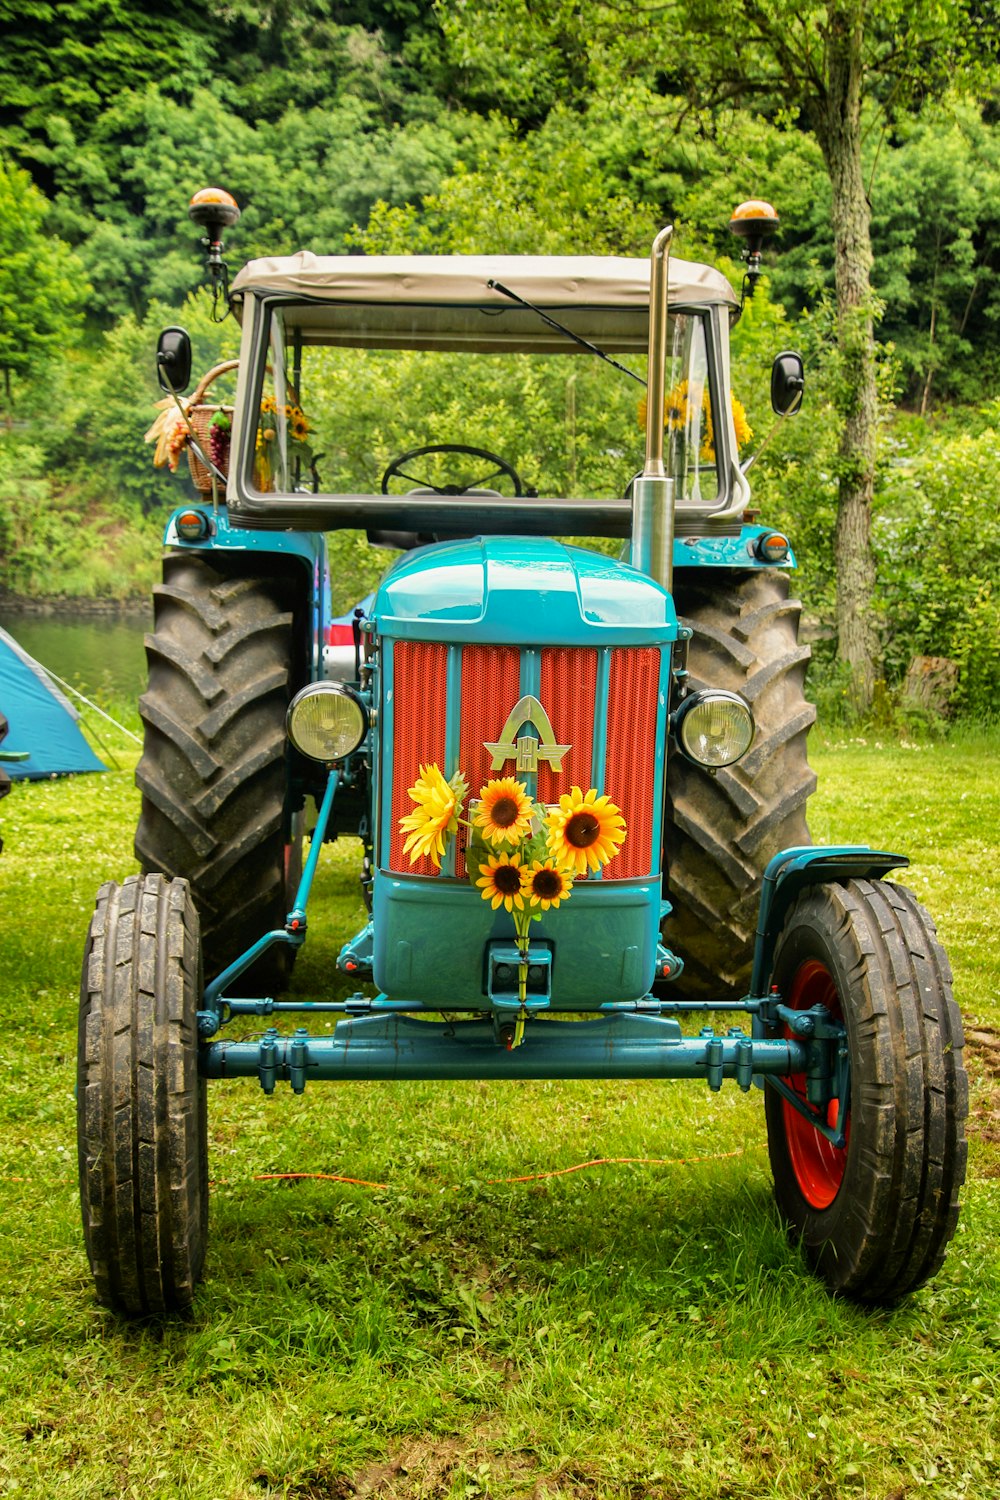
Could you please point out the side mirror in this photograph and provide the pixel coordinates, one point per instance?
(173, 360)
(787, 383)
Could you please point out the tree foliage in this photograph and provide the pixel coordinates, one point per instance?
(818, 63)
(41, 286)
(522, 125)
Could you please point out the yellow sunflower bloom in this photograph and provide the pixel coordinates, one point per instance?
(504, 811)
(547, 884)
(502, 881)
(435, 816)
(585, 830)
(744, 432)
(677, 408)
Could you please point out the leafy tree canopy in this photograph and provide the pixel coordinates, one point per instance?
(42, 287)
(122, 190)
(71, 59)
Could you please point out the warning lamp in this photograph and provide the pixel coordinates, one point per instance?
(754, 222)
(213, 210)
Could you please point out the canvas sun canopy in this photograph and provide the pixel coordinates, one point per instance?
(446, 301)
(41, 720)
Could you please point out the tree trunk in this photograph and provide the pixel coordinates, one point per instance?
(838, 129)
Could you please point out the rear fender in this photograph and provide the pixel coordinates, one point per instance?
(725, 551)
(307, 548)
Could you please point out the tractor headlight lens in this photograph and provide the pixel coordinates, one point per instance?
(714, 728)
(326, 721)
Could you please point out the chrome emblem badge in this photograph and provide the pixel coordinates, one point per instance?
(526, 751)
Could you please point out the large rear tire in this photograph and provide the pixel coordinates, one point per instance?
(722, 829)
(141, 1107)
(876, 1216)
(216, 804)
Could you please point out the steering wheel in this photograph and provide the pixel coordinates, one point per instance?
(500, 467)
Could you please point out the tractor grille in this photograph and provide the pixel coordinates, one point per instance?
(602, 702)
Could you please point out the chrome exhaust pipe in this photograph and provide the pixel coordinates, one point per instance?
(653, 491)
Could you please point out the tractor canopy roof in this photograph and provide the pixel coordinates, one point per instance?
(447, 302)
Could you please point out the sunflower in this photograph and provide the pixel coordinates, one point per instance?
(435, 817)
(503, 880)
(547, 884)
(677, 408)
(298, 423)
(585, 831)
(504, 811)
(744, 432)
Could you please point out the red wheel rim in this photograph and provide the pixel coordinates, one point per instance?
(818, 1165)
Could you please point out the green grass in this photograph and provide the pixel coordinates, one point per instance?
(625, 1331)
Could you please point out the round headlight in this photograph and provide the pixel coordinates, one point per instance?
(714, 727)
(326, 721)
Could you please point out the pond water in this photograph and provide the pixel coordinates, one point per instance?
(99, 654)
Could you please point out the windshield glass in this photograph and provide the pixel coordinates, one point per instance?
(333, 421)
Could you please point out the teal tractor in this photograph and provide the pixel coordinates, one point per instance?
(577, 773)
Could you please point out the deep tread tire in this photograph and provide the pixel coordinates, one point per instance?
(721, 830)
(887, 1228)
(141, 1107)
(213, 772)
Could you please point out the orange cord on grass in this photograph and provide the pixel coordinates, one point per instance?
(580, 1166)
(615, 1161)
(315, 1176)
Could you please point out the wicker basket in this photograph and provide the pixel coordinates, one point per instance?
(200, 415)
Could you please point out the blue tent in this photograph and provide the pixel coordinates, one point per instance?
(42, 720)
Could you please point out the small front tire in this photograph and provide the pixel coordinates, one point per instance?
(876, 1216)
(141, 1106)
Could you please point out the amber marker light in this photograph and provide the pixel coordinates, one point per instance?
(192, 525)
(772, 547)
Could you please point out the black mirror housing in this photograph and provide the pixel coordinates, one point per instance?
(173, 360)
(787, 382)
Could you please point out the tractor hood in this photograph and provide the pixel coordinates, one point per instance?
(517, 590)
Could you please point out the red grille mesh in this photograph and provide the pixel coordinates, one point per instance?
(491, 685)
(633, 700)
(491, 677)
(567, 693)
(420, 708)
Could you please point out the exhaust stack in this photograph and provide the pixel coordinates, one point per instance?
(653, 490)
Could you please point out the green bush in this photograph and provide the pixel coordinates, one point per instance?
(938, 550)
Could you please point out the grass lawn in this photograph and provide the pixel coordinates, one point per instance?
(622, 1331)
